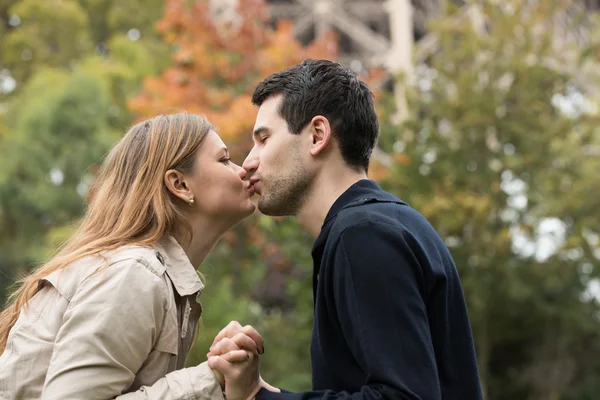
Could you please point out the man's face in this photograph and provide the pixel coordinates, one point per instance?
(277, 162)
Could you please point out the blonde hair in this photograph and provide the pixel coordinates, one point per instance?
(130, 203)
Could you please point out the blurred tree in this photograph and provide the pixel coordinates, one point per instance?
(6, 24)
(52, 32)
(110, 17)
(74, 64)
(498, 156)
(59, 33)
(58, 128)
(217, 64)
(501, 155)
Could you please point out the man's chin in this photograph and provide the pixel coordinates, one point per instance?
(272, 212)
(264, 207)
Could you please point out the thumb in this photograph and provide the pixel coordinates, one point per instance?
(216, 362)
(220, 378)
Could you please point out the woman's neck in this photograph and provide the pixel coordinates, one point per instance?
(205, 235)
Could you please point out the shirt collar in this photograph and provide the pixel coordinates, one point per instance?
(178, 266)
(361, 192)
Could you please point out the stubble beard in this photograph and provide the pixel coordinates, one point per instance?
(286, 195)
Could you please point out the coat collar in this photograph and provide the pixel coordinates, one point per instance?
(181, 272)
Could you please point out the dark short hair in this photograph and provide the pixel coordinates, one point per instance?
(322, 87)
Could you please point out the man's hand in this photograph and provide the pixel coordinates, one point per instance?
(270, 388)
(242, 378)
(245, 337)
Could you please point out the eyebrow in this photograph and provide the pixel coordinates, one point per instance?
(225, 148)
(258, 131)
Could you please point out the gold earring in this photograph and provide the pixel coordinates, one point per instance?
(191, 201)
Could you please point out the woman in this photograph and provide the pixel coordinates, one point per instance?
(115, 310)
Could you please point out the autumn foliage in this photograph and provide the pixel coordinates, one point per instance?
(217, 64)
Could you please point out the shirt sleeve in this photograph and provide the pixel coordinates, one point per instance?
(109, 329)
(378, 291)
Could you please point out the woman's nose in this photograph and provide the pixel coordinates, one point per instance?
(241, 171)
(250, 164)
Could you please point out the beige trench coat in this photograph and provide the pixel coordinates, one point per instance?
(122, 331)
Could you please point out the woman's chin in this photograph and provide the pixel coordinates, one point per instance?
(251, 208)
(248, 209)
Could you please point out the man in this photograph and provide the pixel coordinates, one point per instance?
(390, 320)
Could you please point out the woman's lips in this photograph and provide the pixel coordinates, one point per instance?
(254, 185)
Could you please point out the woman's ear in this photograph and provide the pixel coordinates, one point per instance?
(177, 185)
(320, 134)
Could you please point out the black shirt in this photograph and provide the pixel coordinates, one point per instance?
(390, 316)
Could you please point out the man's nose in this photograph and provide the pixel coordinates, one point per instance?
(250, 164)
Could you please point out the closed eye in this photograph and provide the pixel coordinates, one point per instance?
(225, 160)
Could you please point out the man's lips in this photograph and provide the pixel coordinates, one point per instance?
(254, 185)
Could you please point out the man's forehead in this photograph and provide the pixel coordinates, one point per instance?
(268, 115)
(263, 117)
(270, 106)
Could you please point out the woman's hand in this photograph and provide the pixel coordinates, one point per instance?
(246, 337)
(230, 352)
(234, 358)
(242, 377)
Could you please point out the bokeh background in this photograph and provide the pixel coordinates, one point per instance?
(489, 127)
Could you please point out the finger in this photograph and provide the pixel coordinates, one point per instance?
(220, 378)
(244, 341)
(224, 346)
(229, 331)
(220, 364)
(237, 356)
(254, 335)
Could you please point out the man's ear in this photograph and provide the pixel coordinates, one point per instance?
(177, 185)
(320, 134)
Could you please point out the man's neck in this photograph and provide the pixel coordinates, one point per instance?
(326, 190)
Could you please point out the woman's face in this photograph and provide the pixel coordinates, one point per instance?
(218, 185)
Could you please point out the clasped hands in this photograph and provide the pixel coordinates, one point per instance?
(234, 357)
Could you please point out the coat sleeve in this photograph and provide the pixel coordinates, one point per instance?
(108, 331)
(194, 383)
(378, 291)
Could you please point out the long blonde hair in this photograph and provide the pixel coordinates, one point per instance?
(130, 202)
